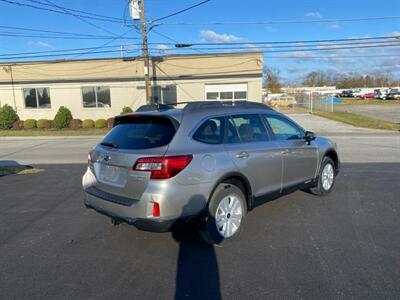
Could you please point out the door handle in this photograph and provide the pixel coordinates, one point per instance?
(242, 154)
(286, 151)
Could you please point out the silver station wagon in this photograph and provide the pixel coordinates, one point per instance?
(209, 163)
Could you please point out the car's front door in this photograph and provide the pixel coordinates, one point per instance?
(254, 153)
(300, 159)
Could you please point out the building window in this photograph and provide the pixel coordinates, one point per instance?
(37, 98)
(98, 96)
(226, 91)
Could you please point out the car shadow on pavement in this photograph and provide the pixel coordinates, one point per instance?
(197, 275)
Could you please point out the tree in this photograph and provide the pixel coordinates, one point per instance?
(272, 80)
(316, 78)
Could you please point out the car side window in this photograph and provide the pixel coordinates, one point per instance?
(283, 129)
(246, 129)
(210, 131)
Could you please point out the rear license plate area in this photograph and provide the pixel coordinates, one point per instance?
(112, 175)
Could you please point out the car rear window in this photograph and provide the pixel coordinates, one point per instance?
(140, 132)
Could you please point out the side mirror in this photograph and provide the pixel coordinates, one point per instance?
(309, 136)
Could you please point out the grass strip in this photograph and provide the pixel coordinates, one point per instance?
(358, 120)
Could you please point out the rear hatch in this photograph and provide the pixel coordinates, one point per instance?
(132, 137)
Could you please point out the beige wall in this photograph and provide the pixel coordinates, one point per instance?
(190, 73)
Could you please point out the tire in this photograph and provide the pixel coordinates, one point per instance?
(323, 188)
(219, 212)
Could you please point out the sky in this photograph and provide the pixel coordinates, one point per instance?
(292, 65)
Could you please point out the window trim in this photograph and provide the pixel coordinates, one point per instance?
(37, 97)
(264, 117)
(95, 95)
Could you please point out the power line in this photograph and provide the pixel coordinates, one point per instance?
(21, 35)
(181, 11)
(299, 41)
(60, 51)
(51, 31)
(78, 11)
(335, 57)
(58, 11)
(105, 44)
(288, 50)
(321, 47)
(61, 54)
(277, 22)
(80, 18)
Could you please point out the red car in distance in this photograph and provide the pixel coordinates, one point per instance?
(368, 96)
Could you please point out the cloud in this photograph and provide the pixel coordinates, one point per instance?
(334, 26)
(270, 29)
(212, 36)
(394, 33)
(164, 49)
(314, 14)
(41, 44)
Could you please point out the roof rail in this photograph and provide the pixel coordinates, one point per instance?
(220, 104)
(154, 107)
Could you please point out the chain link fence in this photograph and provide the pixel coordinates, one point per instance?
(303, 103)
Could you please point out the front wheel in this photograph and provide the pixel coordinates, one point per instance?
(326, 178)
(226, 211)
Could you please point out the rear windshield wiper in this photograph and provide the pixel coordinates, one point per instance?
(109, 144)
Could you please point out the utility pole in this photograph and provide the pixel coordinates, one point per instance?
(146, 58)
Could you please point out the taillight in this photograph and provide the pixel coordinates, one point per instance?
(163, 167)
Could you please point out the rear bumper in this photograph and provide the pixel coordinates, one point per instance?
(152, 225)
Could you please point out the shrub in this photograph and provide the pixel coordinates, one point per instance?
(62, 118)
(43, 124)
(75, 124)
(110, 122)
(126, 110)
(29, 123)
(7, 117)
(18, 125)
(88, 123)
(101, 123)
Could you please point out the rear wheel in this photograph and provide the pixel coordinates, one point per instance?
(226, 211)
(326, 178)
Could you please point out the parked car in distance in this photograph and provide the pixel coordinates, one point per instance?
(368, 96)
(282, 101)
(208, 163)
(357, 93)
(393, 94)
(378, 94)
(346, 94)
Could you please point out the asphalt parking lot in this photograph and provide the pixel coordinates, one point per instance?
(345, 245)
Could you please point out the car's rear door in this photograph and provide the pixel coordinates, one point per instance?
(300, 159)
(254, 153)
(133, 137)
